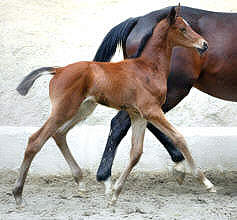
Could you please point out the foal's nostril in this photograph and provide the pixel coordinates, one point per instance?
(204, 48)
(205, 45)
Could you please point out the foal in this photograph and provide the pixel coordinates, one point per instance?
(135, 85)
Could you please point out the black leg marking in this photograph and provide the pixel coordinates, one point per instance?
(175, 154)
(119, 128)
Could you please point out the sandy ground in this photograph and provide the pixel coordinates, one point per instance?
(145, 196)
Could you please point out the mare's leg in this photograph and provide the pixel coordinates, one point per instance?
(119, 128)
(157, 118)
(86, 108)
(175, 154)
(138, 131)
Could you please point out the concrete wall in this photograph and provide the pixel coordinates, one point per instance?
(213, 149)
(48, 33)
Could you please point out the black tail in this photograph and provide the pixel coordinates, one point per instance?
(116, 36)
(29, 80)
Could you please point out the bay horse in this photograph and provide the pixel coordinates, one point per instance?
(136, 85)
(213, 73)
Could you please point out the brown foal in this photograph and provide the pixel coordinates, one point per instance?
(135, 85)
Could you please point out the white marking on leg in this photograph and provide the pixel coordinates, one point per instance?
(180, 167)
(108, 186)
(208, 183)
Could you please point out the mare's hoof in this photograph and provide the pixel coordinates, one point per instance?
(108, 187)
(179, 176)
(179, 172)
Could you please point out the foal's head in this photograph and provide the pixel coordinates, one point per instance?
(181, 34)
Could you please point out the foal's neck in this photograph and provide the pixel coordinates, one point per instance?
(158, 50)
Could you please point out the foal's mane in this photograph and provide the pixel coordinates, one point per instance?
(148, 35)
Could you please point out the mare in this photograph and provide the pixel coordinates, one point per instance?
(213, 73)
(76, 89)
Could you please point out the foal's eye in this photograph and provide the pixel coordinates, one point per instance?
(183, 30)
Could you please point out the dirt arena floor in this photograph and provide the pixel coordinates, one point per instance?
(145, 196)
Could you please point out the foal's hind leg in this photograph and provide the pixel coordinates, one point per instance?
(35, 143)
(86, 108)
(60, 115)
(157, 118)
(138, 131)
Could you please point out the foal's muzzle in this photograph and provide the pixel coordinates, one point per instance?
(203, 49)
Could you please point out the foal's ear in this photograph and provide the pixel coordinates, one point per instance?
(172, 16)
(178, 10)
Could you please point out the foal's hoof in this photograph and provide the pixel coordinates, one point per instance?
(18, 198)
(115, 194)
(211, 188)
(113, 200)
(82, 187)
(19, 202)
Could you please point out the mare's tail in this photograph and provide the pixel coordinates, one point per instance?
(117, 36)
(29, 80)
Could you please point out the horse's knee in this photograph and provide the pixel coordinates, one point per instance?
(59, 137)
(33, 146)
(31, 150)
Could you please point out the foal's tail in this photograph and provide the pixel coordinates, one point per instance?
(29, 80)
(116, 36)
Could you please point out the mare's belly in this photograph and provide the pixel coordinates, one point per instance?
(221, 85)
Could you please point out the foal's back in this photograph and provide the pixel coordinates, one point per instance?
(118, 85)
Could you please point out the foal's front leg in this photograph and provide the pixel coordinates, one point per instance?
(138, 131)
(157, 118)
